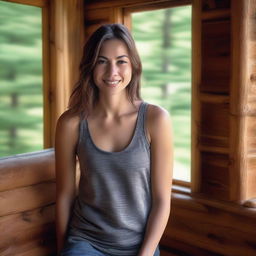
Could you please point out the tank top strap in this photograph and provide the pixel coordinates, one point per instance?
(141, 119)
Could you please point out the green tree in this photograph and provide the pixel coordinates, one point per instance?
(163, 38)
(20, 78)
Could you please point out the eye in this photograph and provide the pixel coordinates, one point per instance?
(122, 62)
(101, 61)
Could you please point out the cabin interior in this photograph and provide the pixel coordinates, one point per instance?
(215, 213)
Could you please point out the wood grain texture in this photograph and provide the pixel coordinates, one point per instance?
(27, 198)
(38, 3)
(27, 204)
(98, 4)
(242, 100)
(215, 56)
(66, 44)
(28, 232)
(215, 226)
(195, 93)
(27, 169)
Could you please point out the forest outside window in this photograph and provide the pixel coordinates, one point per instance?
(21, 97)
(163, 39)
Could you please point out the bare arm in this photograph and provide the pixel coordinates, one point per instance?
(160, 134)
(65, 157)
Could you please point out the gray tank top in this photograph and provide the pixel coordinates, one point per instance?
(114, 199)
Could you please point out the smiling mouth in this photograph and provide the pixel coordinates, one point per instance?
(108, 82)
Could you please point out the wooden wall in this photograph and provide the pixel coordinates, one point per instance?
(27, 205)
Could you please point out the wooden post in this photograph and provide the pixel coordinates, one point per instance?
(242, 96)
(66, 42)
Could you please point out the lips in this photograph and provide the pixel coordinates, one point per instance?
(112, 82)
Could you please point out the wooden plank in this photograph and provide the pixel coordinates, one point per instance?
(179, 248)
(66, 47)
(214, 144)
(38, 251)
(140, 6)
(26, 169)
(212, 225)
(27, 198)
(46, 76)
(215, 57)
(38, 3)
(250, 135)
(208, 5)
(23, 221)
(214, 98)
(95, 18)
(196, 81)
(91, 4)
(239, 92)
(216, 14)
(215, 175)
(251, 177)
(215, 119)
(40, 239)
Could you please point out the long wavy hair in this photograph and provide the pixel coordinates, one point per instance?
(86, 94)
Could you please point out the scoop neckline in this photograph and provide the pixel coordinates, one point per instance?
(128, 145)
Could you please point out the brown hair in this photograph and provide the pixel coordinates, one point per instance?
(85, 94)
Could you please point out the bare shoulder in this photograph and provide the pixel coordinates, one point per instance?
(158, 121)
(157, 113)
(68, 120)
(68, 123)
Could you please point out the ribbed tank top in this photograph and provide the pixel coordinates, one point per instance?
(114, 199)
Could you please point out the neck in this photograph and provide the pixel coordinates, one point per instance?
(113, 106)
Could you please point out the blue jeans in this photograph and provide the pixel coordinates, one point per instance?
(84, 248)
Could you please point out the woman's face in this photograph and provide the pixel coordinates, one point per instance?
(113, 70)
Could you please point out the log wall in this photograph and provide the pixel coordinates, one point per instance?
(27, 205)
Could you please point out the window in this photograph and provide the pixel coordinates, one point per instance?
(163, 39)
(21, 97)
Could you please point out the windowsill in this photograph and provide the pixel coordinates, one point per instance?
(182, 196)
(180, 189)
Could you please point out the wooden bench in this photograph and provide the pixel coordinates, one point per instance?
(27, 204)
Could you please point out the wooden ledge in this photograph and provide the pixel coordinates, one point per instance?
(251, 203)
(201, 203)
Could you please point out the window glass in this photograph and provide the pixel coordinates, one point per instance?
(21, 111)
(163, 39)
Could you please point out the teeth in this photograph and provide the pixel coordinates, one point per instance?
(112, 82)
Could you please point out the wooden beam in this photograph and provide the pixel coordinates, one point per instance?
(239, 93)
(196, 81)
(38, 3)
(66, 43)
(133, 3)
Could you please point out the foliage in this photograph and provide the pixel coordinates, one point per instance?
(20, 78)
(163, 39)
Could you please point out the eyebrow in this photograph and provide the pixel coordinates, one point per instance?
(119, 57)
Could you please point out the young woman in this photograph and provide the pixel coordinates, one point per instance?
(124, 147)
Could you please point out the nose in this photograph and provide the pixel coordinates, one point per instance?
(112, 69)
